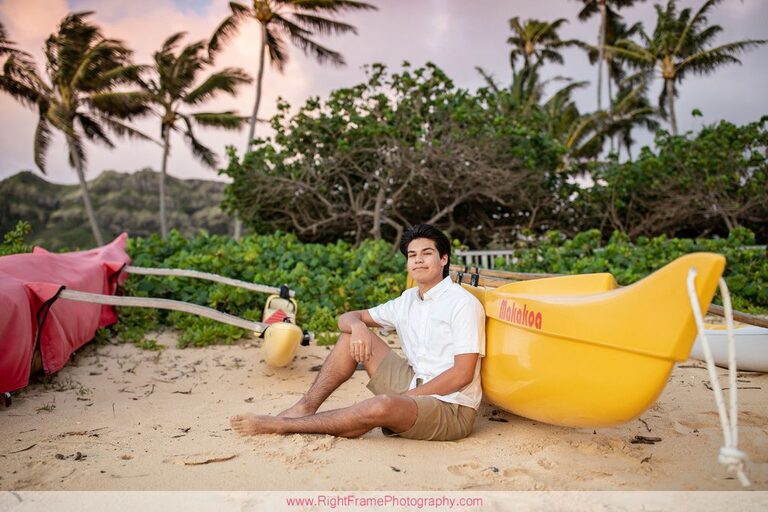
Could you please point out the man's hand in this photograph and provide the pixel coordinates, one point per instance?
(360, 342)
(451, 380)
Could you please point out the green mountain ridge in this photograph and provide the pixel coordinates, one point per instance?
(122, 202)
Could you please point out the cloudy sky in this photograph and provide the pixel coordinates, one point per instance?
(457, 35)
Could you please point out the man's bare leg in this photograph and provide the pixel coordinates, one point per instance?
(337, 369)
(395, 412)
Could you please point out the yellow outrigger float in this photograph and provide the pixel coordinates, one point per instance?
(579, 351)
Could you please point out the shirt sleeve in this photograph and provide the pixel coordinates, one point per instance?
(386, 314)
(468, 328)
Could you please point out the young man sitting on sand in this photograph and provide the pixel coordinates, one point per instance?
(434, 394)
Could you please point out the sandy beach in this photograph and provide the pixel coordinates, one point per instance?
(121, 418)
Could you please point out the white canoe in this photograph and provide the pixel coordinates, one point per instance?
(751, 344)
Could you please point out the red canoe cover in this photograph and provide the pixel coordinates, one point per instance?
(30, 311)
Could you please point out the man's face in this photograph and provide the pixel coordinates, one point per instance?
(424, 262)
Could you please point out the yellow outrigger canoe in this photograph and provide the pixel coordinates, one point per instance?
(579, 351)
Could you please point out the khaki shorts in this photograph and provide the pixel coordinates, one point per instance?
(435, 420)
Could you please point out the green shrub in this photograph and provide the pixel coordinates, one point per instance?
(746, 271)
(13, 241)
(328, 279)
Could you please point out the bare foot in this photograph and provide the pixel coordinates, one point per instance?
(249, 424)
(298, 410)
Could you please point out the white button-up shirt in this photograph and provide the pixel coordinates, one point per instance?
(447, 322)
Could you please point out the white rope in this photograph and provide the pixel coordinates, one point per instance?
(729, 455)
(176, 272)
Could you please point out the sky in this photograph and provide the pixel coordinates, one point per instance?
(457, 35)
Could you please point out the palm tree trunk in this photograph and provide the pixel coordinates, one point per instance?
(163, 168)
(601, 54)
(670, 85)
(610, 107)
(259, 80)
(84, 192)
(252, 125)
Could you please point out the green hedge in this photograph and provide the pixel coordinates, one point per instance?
(332, 278)
(328, 279)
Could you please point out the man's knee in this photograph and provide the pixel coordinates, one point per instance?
(382, 407)
(342, 343)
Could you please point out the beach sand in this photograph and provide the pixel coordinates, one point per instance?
(121, 418)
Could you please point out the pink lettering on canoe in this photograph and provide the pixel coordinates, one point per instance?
(521, 316)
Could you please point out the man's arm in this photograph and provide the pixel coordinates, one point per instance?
(357, 324)
(352, 318)
(451, 380)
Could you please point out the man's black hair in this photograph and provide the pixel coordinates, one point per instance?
(432, 233)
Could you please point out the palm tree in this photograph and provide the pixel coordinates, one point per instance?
(681, 45)
(631, 108)
(524, 94)
(616, 30)
(609, 18)
(79, 98)
(172, 86)
(280, 21)
(582, 135)
(537, 41)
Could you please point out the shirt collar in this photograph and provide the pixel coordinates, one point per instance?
(440, 288)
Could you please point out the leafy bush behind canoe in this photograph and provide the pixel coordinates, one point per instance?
(746, 271)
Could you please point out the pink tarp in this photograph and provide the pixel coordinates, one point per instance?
(31, 313)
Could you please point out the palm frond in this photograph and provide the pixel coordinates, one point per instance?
(226, 80)
(590, 8)
(643, 76)
(691, 24)
(322, 25)
(330, 5)
(200, 151)
(228, 28)
(564, 94)
(42, 141)
(228, 120)
(118, 75)
(632, 52)
(20, 80)
(170, 43)
(107, 54)
(93, 131)
(488, 79)
(551, 55)
(278, 55)
(8, 47)
(123, 130)
(706, 36)
(124, 105)
(318, 51)
(707, 61)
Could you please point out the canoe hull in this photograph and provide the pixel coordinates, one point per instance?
(578, 351)
(566, 382)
